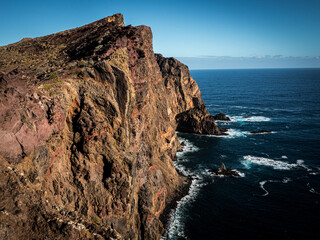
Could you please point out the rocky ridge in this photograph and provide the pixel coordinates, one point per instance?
(88, 121)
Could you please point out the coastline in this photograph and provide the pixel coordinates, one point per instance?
(171, 206)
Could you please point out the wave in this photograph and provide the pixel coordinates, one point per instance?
(250, 119)
(261, 133)
(240, 107)
(269, 109)
(312, 190)
(176, 224)
(300, 162)
(181, 169)
(187, 147)
(275, 164)
(222, 123)
(240, 173)
(232, 133)
(262, 183)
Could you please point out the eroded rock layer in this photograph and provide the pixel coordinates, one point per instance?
(88, 133)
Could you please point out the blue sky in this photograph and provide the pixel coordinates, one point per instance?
(203, 34)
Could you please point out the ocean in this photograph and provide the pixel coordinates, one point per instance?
(277, 195)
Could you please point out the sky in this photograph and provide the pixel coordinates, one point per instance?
(204, 34)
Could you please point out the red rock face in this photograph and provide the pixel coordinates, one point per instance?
(25, 120)
(87, 133)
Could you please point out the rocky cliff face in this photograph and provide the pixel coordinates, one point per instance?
(87, 133)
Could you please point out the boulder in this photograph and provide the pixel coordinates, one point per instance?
(221, 117)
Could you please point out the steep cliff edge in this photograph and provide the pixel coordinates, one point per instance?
(87, 133)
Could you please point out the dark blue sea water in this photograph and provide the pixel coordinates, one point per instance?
(278, 195)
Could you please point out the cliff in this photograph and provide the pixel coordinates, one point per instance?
(88, 121)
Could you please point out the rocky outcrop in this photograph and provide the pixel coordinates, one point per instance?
(261, 132)
(223, 171)
(197, 120)
(187, 107)
(221, 117)
(87, 133)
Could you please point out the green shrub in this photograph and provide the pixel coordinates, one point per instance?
(76, 72)
(95, 219)
(47, 87)
(52, 76)
(57, 80)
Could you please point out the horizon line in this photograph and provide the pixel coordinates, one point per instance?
(253, 68)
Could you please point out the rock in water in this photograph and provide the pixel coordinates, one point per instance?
(88, 121)
(261, 132)
(225, 172)
(222, 168)
(221, 117)
(198, 120)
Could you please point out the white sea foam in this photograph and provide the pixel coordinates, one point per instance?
(286, 180)
(281, 165)
(250, 119)
(262, 186)
(241, 107)
(312, 190)
(262, 183)
(222, 123)
(181, 168)
(176, 226)
(232, 133)
(188, 147)
(313, 172)
(240, 173)
(300, 162)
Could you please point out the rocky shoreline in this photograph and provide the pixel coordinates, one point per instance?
(171, 206)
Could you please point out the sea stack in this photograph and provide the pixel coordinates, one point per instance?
(88, 133)
(223, 171)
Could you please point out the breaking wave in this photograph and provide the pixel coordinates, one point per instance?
(232, 133)
(250, 119)
(275, 164)
(186, 147)
(175, 225)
